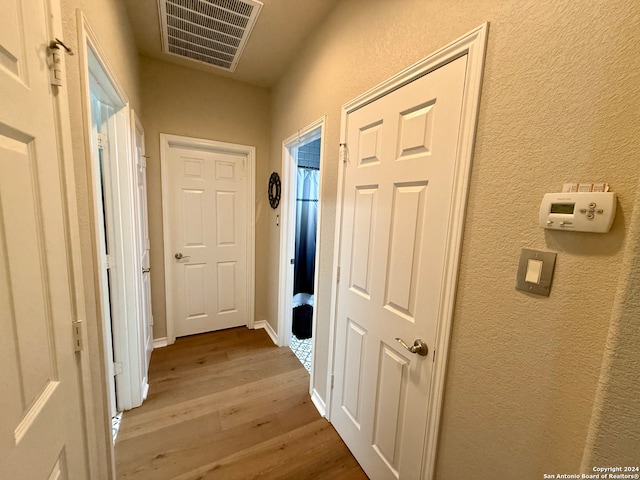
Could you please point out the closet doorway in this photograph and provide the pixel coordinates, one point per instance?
(302, 163)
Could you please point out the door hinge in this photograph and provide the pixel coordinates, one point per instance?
(338, 275)
(109, 261)
(56, 73)
(117, 368)
(151, 320)
(434, 354)
(343, 155)
(77, 335)
(332, 377)
(103, 141)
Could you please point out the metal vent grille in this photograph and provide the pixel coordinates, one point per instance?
(210, 31)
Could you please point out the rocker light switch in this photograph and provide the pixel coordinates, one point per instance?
(535, 271)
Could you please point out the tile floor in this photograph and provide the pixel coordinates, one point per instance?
(302, 350)
(115, 426)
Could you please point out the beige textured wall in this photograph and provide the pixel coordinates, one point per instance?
(559, 103)
(614, 434)
(187, 102)
(108, 20)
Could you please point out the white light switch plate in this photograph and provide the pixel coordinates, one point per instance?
(535, 271)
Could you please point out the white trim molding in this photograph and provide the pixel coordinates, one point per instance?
(290, 147)
(318, 402)
(287, 224)
(121, 327)
(166, 142)
(267, 326)
(116, 340)
(160, 342)
(92, 387)
(473, 45)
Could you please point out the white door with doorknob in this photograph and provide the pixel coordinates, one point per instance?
(398, 185)
(208, 231)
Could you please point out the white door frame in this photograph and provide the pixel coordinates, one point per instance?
(287, 231)
(166, 142)
(125, 325)
(473, 44)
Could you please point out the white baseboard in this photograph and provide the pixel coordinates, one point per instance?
(319, 403)
(145, 390)
(160, 342)
(267, 326)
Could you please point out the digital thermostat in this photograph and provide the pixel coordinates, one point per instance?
(578, 211)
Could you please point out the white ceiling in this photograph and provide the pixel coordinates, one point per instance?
(275, 41)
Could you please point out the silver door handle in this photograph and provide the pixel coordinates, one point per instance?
(418, 347)
(180, 256)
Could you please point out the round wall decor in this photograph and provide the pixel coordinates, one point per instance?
(274, 190)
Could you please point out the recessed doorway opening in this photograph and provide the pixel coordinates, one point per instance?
(301, 169)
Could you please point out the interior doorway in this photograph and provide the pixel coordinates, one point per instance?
(116, 221)
(302, 164)
(102, 110)
(209, 236)
(304, 260)
(401, 211)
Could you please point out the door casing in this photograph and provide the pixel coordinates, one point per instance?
(131, 386)
(287, 241)
(166, 142)
(472, 44)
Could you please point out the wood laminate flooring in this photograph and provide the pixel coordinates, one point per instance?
(229, 405)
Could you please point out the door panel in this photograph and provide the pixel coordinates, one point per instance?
(227, 287)
(355, 347)
(226, 218)
(416, 131)
(209, 212)
(195, 286)
(362, 246)
(194, 218)
(144, 245)
(407, 212)
(41, 430)
(396, 213)
(390, 404)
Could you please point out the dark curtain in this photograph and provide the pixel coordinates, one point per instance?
(306, 224)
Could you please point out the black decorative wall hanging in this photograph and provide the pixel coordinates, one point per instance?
(274, 190)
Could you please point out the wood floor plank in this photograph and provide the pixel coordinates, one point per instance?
(308, 452)
(143, 421)
(200, 380)
(229, 405)
(185, 447)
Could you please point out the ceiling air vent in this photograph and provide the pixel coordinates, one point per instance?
(209, 31)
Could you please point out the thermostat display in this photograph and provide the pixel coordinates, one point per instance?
(578, 211)
(565, 208)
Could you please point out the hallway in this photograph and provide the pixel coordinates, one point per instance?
(230, 405)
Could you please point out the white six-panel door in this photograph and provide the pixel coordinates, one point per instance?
(397, 201)
(208, 239)
(40, 430)
(143, 245)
